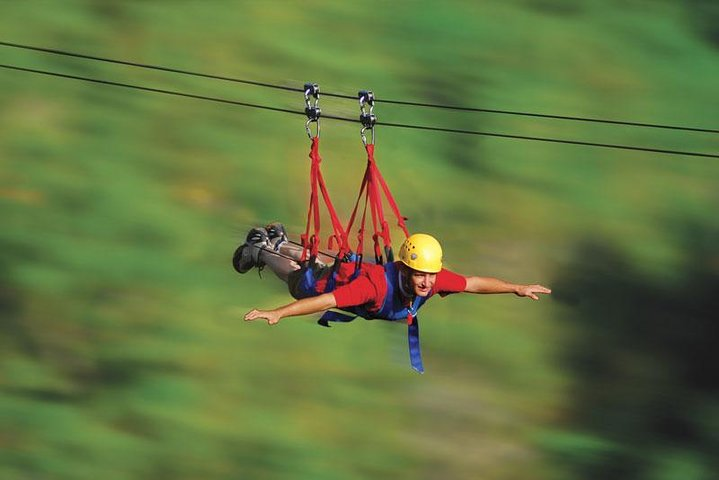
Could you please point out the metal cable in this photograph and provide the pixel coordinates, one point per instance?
(379, 99)
(387, 124)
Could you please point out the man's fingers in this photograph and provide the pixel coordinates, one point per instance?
(539, 289)
(255, 314)
(531, 291)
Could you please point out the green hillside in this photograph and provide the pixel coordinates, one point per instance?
(123, 354)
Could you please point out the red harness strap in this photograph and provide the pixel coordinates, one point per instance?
(371, 185)
(311, 243)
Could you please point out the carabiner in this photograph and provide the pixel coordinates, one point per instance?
(309, 131)
(364, 137)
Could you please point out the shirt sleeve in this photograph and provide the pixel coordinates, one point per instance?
(357, 292)
(449, 282)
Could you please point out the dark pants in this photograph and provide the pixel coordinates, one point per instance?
(301, 283)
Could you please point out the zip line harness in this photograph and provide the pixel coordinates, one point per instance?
(374, 190)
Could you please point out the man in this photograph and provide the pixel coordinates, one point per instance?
(394, 291)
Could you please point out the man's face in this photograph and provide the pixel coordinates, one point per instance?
(421, 283)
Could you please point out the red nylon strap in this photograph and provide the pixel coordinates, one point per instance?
(371, 185)
(309, 243)
(339, 234)
(359, 197)
(360, 233)
(388, 194)
(312, 243)
(375, 202)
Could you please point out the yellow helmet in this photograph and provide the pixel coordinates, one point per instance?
(421, 252)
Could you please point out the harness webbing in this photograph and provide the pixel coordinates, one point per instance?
(393, 309)
(311, 243)
(373, 186)
(374, 189)
(415, 353)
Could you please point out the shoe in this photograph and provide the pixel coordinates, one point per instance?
(247, 255)
(242, 260)
(276, 230)
(258, 237)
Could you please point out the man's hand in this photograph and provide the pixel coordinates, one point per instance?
(305, 306)
(271, 316)
(531, 291)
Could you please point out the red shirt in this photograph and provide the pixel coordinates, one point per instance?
(370, 287)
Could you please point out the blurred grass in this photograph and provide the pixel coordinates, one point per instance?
(123, 351)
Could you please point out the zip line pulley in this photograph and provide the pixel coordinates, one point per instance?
(312, 109)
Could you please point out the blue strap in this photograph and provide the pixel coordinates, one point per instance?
(391, 310)
(332, 280)
(415, 355)
(332, 316)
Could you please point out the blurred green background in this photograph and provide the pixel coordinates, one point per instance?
(123, 354)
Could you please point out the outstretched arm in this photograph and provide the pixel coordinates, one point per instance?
(495, 285)
(305, 306)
